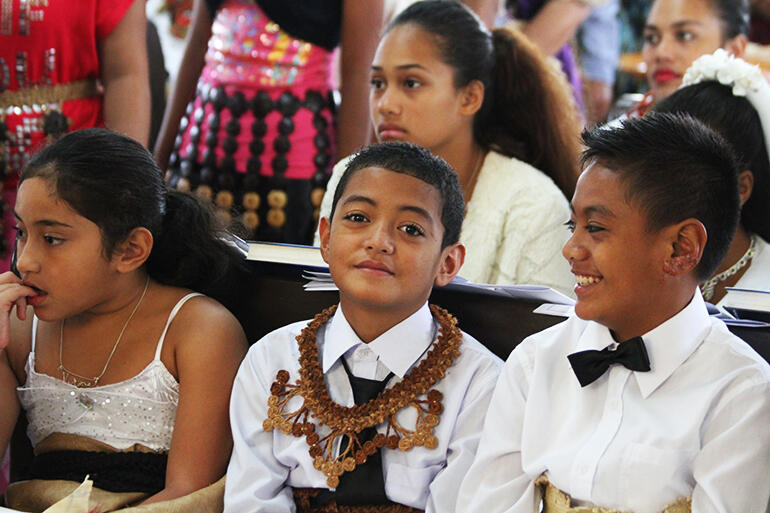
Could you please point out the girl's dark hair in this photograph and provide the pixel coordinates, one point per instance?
(528, 110)
(738, 122)
(734, 15)
(113, 181)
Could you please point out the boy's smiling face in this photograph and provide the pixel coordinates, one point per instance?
(618, 262)
(383, 246)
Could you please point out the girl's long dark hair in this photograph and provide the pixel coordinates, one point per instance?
(737, 121)
(528, 110)
(114, 182)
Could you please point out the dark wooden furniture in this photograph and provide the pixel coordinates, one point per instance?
(273, 296)
(277, 298)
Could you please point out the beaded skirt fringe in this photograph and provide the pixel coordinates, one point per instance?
(263, 204)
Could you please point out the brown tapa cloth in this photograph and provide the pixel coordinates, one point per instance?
(556, 501)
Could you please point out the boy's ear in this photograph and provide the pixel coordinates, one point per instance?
(133, 252)
(688, 242)
(471, 98)
(324, 231)
(452, 258)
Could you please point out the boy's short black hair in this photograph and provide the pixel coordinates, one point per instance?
(675, 168)
(412, 160)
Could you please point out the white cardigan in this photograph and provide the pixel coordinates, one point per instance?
(513, 230)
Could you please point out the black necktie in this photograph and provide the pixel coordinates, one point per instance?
(365, 484)
(590, 365)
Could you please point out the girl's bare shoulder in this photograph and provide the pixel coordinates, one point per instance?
(201, 323)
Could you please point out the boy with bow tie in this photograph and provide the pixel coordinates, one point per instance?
(641, 402)
(376, 405)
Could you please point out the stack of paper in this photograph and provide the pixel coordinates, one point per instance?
(318, 280)
(748, 304)
(555, 303)
(524, 291)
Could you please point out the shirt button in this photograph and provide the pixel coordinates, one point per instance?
(583, 469)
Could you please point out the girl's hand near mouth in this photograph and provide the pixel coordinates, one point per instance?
(12, 293)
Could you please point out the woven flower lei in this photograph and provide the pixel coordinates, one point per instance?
(727, 69)
(349, 421)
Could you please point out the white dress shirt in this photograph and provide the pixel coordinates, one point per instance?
(697, 424)
(513, 229)
(265, 465)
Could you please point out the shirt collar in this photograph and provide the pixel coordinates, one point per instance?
(668, 345)
(398, 348)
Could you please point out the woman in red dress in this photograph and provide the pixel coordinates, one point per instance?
(66, 66)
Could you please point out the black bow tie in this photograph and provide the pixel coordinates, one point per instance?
(590, 365)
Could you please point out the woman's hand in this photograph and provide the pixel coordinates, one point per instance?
(12, 293)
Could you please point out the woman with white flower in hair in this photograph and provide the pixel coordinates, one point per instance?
(733, 97)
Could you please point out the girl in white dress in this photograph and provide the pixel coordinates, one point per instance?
(106, 259)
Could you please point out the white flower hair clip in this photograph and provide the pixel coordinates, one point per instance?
(727, 70)
(745, 79)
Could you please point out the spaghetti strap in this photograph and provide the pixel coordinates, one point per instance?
(171, 316)
(34, 332)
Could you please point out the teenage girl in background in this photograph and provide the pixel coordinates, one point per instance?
(493, 108)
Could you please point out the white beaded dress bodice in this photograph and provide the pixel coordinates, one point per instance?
(139, 410)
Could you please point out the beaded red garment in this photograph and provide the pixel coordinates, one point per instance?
(349, 421)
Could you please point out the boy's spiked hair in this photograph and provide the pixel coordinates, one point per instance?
(674, 168)
(412, 160)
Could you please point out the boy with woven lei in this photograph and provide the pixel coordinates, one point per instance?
(377, 405)
(641, 402)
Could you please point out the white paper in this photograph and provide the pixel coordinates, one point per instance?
(555, 310)
(523, 291)
(76, 502)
